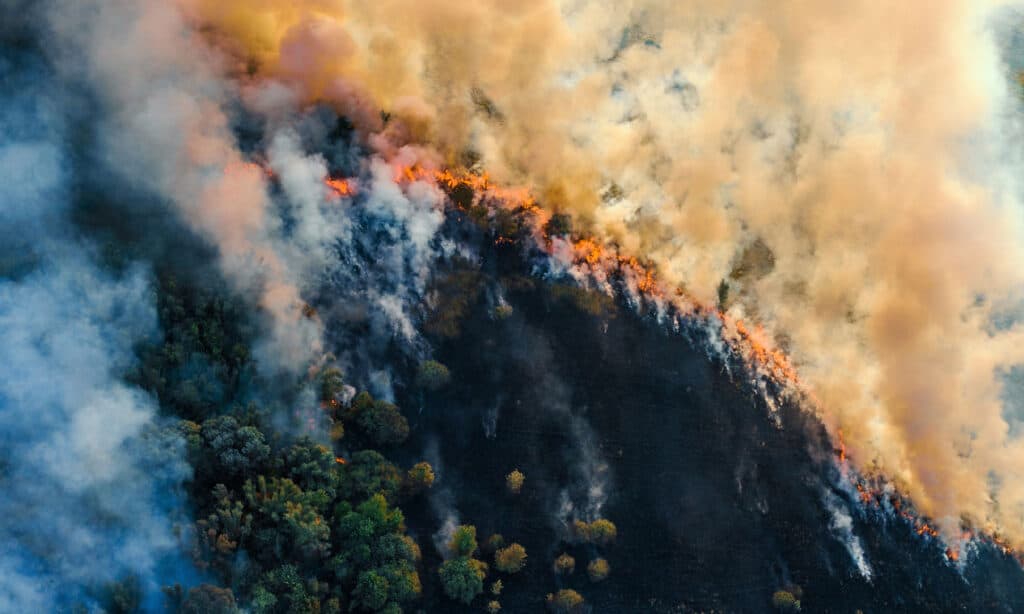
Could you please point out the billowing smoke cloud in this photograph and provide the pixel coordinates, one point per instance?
(166, 131)
(88, 480)
(835, 172)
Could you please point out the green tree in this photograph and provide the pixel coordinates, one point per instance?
(312, 466)
(463, 578)
(232, 449)
(289, 518)
(463, 541)
(511, 559)
(432, 375)
(125, 597)
(371, 592)
(420, 477)
(209, 599)
(371, 538)
(332, 383)
(282, 589)
(367, 473)
(383, 423)
(220, 533)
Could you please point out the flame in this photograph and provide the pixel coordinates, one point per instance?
(339, 460)
(341, 187)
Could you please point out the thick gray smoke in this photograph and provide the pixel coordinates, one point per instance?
(87, 479)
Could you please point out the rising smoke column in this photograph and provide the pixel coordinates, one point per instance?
(88, 478)
(837, 171)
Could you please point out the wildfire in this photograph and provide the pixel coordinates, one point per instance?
(339, 460)
(591, 251)
(751, 343)
(341, 187)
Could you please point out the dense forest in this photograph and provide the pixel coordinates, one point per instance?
(298, 495)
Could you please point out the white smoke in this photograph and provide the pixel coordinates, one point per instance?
(841, 524)
(88, 481)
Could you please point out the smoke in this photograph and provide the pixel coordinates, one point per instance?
(165, 131)
(841, 173)
(842, 526)
(442, 501)
(88, 479)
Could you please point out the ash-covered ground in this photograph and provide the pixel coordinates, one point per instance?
(718, 503)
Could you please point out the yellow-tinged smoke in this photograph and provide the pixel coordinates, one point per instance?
(834, 170)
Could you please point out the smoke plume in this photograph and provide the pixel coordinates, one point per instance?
(88, 479)
(837, 173)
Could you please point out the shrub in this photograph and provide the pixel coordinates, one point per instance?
(503, 311)
(514, 481)
(565, 564)
(511, 559)
(493, 606)
(495, 542)
(785, 601)
(598, 570)
(565, 601)
(420, 477)
(602, 531)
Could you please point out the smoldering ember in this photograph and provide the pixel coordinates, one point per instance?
(330, 306)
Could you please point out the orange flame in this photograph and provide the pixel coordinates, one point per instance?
(340, 187)
(339, 460)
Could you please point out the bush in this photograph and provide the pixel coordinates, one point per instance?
(602, 532)
(503, 311)
(493, 606)
(495, 542)
(565, 564)
(420, 477)
(785, 601)
(432, 375)
(463, 578)
(565, 601)
(514, 481)
(497, 587)
(511, 559)
(598, 570)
